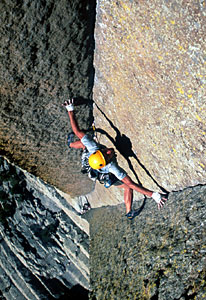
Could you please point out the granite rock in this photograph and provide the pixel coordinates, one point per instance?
(44, 241)
(157, 255)
(149, 89)
(149, 93)
(46, 57)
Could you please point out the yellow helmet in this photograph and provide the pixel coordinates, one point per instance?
(97, 160)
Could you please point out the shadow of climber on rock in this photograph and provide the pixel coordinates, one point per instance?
(123, 144)
(102, 162)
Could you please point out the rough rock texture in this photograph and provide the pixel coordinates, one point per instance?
(150, 67)
(157, 255)
(46, 57)
(44, 242)
(150, 62)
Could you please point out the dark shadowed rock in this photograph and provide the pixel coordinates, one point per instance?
(149, 96)
(157, 255)
(46, 57)
(44, 251)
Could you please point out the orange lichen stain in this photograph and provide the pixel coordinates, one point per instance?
(198, 117)
(126, 7)
(157, 18)
(122, 19)
(181, 91)
(181, 48)
(162, 100)
(202, 165)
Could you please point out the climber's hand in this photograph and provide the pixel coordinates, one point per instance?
(160, 199)
(69, 104)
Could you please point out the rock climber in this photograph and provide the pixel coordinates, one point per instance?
(103, 160)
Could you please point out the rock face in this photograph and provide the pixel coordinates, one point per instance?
(46, 57)
(149, 95)
(150, 89)
(157, 255)
(44, 243)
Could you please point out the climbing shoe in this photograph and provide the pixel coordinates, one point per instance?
(70, 138)
(131, 214)
(86, 207)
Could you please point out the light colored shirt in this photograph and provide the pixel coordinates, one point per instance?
(112, 167)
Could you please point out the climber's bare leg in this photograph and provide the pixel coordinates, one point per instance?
(77, 145)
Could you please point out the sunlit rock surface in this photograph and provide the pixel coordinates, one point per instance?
(150, 95)
(150, 63)
(150, 89)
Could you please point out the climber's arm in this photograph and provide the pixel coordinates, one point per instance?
(75, 127)
(159, 198)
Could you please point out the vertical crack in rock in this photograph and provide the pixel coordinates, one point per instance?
(150, 86)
